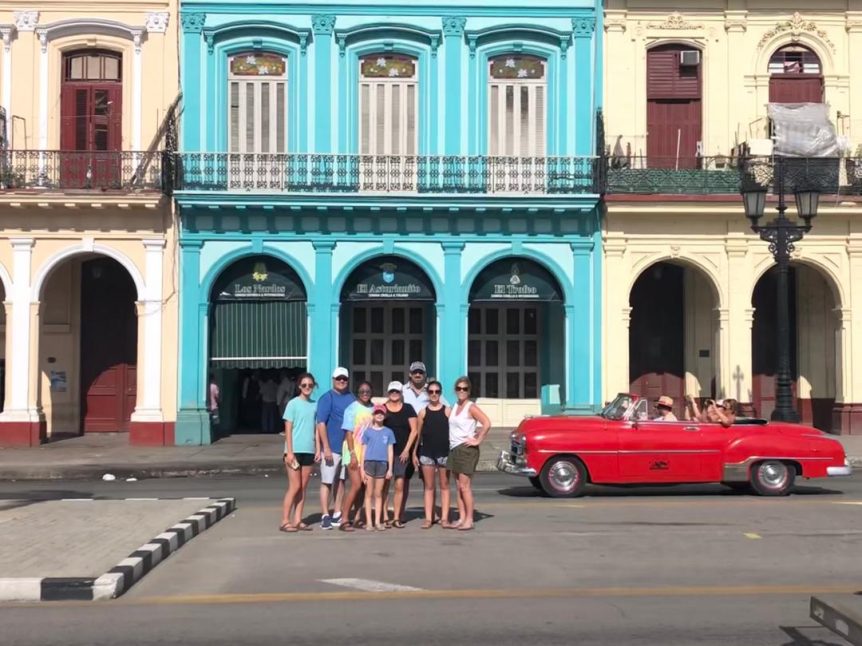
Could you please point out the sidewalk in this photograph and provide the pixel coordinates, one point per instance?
(91, 456)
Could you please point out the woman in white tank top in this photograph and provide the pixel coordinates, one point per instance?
(464, 441)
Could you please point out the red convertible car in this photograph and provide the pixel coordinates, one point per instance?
(622, 446)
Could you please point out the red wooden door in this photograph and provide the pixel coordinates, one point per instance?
(108, 347)
(656, 360)
(91, 122)
(795, 88)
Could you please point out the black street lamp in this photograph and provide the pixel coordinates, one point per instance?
(781, 233)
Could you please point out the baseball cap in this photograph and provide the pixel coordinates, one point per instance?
(394, 385)
(340, 372)
(378, 408)
(417, 366)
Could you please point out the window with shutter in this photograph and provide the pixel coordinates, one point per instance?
(516, 106)
(387, 122)
(257, 111)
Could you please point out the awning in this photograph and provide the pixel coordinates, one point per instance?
(388, 278)
(258, 334)
(515, 279)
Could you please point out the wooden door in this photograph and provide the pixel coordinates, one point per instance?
(673, 131)
(656, 335)
(109, 342)
(795, 88)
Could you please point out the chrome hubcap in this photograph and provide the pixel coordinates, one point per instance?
(773, 475)
(563, 477)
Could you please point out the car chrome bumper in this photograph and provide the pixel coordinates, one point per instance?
(505, 464)
(846, 470)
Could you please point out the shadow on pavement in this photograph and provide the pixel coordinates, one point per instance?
(646, 491)
(798, 638)
(19, 499)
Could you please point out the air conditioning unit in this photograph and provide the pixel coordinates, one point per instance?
(689, 57)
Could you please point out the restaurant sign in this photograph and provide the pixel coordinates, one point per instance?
(257, 279)
(519, 280)
(388, 279)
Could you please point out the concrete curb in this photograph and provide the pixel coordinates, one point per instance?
(126, 573)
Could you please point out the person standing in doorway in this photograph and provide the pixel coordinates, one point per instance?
(357, 418)
(301, 450)
(431, 453)
(269, 404)
(464, 441)
(213, 403)
(401, 418)
(330, 419)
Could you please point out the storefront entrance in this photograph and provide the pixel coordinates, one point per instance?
(516, 340)
(258, 343)
(387, 321)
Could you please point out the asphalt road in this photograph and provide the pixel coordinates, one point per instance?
(675, 565)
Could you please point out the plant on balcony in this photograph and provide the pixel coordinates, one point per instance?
(853, 166)
(10, 179)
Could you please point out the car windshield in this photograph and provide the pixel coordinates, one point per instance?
(618, 408)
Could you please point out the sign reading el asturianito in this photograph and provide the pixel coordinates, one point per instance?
(388, 278)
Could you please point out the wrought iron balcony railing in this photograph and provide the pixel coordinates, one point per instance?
(388, 174)
(726, 175)
(83, 170)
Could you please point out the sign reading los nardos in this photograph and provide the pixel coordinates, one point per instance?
(259, 278)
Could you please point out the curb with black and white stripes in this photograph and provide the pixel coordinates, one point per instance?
(124, 574)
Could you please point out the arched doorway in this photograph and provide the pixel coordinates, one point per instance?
(795, 76)
(258, 342)
(674, 112)
(673, 334)
(387, 321)
(88, 348)
(516, 339)
(813, 357)
(91, 119)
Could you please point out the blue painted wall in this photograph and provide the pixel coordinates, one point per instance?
(452, 237)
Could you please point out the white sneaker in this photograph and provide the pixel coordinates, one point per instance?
(336, 521)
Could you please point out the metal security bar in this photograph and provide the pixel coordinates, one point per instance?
(721, 175)
(386, 174)
(81, 170)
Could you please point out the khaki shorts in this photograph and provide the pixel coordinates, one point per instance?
(463, 459)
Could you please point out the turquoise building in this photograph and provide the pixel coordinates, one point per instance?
(370, 184)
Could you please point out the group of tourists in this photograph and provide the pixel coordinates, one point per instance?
(367, 451)
(717, 411)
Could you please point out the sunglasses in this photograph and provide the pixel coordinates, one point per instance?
(417, 372)
(341, 379)
(306, 385)
(364, 391)
(462, 389)
(434, 392)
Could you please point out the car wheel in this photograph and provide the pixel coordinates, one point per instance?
(772, 478)
(536, 482)
(564, 477)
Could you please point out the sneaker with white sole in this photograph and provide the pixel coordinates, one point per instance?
(336, 521)
(326, 522)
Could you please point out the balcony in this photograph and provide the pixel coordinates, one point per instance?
(59, 170)
(376, 175)
(636, 175)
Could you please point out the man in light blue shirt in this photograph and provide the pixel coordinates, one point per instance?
(414, 391)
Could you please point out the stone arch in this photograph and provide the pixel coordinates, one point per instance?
(829, 274)
(685, 260)
(98, 249)
(822, 49)
(360, 259)
(539, 258)
(225, 261)
(5, 281)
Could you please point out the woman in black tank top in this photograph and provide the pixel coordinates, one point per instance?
(431, 453)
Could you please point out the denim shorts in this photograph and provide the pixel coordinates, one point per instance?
(375, 468)
(425, 461)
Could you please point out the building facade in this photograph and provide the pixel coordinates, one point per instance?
(87, 245)
(373, 185)
(689, 289)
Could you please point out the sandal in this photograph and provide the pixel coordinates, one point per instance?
(449, 525)
(427, 524)
(346, 527)
(387, 524)
(382, 528)
(304, 528)
(287, 528)
(397, 524)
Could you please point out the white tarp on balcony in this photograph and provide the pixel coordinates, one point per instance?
(804, 130)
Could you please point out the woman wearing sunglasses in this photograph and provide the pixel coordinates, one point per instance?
(464, 441)
(431, 453)
(357, 418)
(301, 451)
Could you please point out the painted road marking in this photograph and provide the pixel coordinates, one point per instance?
(367, 585)
(752, 536)
(500, 593)
(847, 502)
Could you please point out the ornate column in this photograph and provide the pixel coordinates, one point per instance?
(580, 356)
(582, 30)
(451, 318)
(734, 347)
(616, 318)
(322, 26)
(191, 44)
(6, 93)
(453, 46)
(321, 332)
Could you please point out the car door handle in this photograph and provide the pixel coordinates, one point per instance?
(691, 428)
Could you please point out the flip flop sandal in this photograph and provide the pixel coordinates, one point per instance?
(382, 528)
(427, 525)
(451, 526)
(289, 529)
(465, 529)
(387, 524)
(304, 528)
(398, 524)
(346, 527)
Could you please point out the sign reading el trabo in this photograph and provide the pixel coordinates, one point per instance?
(515, 280)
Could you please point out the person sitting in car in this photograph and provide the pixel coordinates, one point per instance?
(664, 407)
(722, 411)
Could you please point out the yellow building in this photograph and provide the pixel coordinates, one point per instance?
(87, 243)
(689, 290)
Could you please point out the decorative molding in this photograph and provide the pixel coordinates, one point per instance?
(209, 37)
(675, 21)
(796, 26)
(137, 35)
(615, 26)
(193, 21)
(735, 25)
(42, 34)
(6, 32)
(303, 43)
(157, 22)
(454, 25)
(26, 20)
(323, 24)
(583, 27)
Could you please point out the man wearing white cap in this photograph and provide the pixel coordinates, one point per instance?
(330, 418)
(415, 391)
